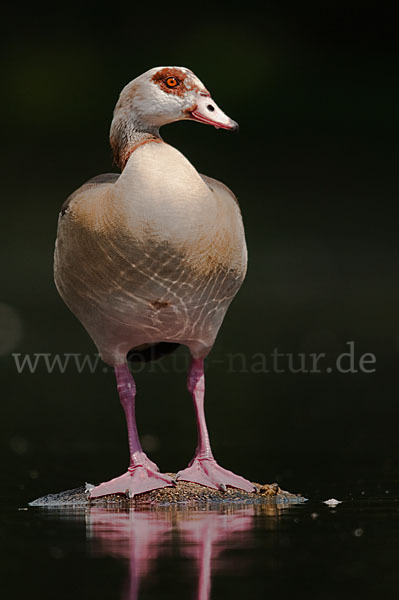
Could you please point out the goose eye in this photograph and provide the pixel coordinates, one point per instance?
(171, 82)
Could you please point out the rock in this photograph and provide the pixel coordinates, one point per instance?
(184, 493)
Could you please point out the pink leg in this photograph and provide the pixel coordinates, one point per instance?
(203, 468)
(142, 475)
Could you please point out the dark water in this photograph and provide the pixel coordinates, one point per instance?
(304, 550)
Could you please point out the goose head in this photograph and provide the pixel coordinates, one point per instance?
(160, 96)
(166, 94)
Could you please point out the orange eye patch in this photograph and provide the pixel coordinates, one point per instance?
(171, 82)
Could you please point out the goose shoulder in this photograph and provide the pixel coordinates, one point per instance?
(219, 188)
(94, 184)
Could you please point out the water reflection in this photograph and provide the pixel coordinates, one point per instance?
(201, 536)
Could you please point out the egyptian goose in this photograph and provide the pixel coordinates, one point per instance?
(151, 259)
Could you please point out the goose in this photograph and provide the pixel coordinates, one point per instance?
(151, 258)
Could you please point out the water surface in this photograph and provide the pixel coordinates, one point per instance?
(302, 550)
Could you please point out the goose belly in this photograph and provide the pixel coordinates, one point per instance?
(127, 295)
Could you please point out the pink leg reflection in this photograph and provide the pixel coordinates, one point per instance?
(208, 535)
(137, 537)
(142, 537)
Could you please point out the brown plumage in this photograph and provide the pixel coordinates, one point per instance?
(140, 259)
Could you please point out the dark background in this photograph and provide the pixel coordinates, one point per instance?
(314, 89)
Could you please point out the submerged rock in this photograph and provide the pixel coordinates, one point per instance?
(184, 493)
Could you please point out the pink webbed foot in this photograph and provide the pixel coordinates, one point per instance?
(206, 471)
(142, 476)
